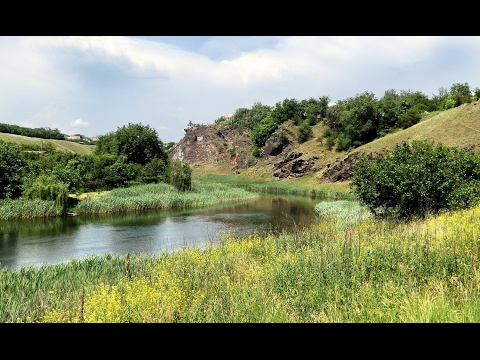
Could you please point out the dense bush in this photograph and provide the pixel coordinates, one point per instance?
(416, 179)
(262, 131)
(304, 132)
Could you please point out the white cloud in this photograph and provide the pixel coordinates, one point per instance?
(79, 123)
(111, 81)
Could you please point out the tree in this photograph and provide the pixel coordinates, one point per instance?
(11, 170)
(459, 94)
(286, 110)
(138, 143)
(358, 119)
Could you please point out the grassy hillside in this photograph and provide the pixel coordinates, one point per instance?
(60, 145)
(458, 127)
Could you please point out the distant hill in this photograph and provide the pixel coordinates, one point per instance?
(216, 149)
(59, 145)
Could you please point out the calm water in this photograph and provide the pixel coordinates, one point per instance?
(50, 241)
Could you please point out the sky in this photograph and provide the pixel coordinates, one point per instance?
(94, 85)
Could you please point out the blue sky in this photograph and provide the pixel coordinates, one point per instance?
(93, 85)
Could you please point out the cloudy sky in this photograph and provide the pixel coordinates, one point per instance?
(94, 85)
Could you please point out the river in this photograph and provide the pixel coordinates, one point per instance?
(38, 242)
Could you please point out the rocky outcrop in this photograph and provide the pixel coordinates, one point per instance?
(294, 166)
(341, 170)
(214, 143)
(278, 142)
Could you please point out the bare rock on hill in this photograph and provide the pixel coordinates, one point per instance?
(341, 170)
(294, 166)
(278, 142)
(214, 143)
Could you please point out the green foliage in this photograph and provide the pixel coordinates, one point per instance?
(263, 130)
(287, 110)
(180, 176)
(50, 188)
(43, 133)
(155, 171)
(249, 118)
(450, 102)
(139, 143)
(476, 94)
(459, 94)
(283, 137)
(304, 132)
(416, 179)
(314, 109)
(409, 118)
(358, 119)
(11, 170)
(256, 151)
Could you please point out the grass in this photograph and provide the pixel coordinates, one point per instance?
(59, 145)
(336, 271)
(161, 196)
(303, 188)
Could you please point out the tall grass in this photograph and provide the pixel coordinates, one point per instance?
(336, 271)
(28, 209)
(275, 187)
(348, 211)
(160, 197)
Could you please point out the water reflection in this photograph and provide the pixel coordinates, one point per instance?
(49, 241)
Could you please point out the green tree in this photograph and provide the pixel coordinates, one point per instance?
(286, 110)
(11, 170)
(139, 143)
(155, 171)
(358, 119)
(459, 94)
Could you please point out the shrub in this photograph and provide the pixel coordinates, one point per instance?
(304, 132)
(409, 118)
(416, 179)
(180, 176)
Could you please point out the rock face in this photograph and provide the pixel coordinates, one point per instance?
(214, 143)
(292, 166)
(220, 144)
(341, 170)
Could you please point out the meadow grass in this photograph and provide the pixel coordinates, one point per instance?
(276, 187)
(335, 271)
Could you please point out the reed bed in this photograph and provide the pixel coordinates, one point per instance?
(348, 211)
(28, 209)
(336, 271)
(161, 197)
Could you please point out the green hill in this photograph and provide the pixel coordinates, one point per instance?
(59, 145)
(458, 127)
